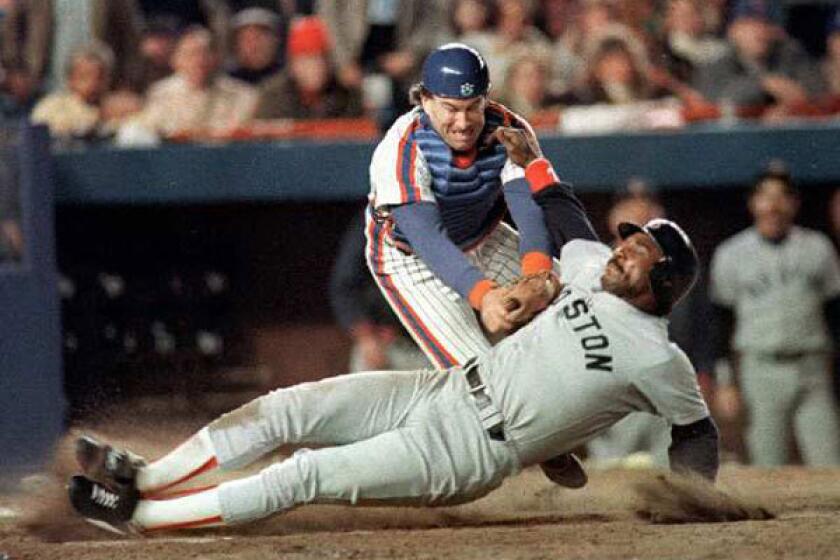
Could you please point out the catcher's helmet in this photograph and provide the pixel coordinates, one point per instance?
(455, 70)
(675, 274)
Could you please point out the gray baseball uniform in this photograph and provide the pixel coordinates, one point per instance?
(777, 292)
(444, 437)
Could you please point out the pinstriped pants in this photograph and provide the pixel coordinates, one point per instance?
(443, 324)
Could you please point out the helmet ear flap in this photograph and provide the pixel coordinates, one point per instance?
(662, 284)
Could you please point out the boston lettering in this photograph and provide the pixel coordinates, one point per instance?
(594, 342)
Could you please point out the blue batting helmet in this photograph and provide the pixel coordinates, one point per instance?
(456, 70)
(673, 276)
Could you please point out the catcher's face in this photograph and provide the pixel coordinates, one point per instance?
(627, 274)
(458, 121)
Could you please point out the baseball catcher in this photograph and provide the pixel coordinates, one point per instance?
(599, 351)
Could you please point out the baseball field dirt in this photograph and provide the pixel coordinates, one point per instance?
(527, 518)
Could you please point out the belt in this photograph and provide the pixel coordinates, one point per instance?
(490, 416)
(786, 356)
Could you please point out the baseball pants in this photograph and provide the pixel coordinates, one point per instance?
(786, 399)
(408, 438)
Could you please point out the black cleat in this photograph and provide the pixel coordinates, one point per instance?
(565, 470)
(107, 508)
(99, 461)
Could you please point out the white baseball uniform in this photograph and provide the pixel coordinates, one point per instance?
(422, 437)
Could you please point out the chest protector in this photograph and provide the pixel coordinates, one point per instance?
(469, 198)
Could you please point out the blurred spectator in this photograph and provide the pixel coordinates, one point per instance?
(256, 42)
(383, 42)
(557, 17)
(471, 16)
(80, 111)
(379, 340)
(834, 225)
(215, 15)
(641, 16)
(525, 89)
(39, 36)
(777, 286)
(834, 217)
(512, 36)
(308, 89)
(686, 43)
(617, 71)
(762, 66)
(831, 63)
(638, 206)
(11, 233)
(157, 44)
(573, 28)
(196, 99)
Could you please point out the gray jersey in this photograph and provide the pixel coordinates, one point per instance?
(776, 289)
(590, 359)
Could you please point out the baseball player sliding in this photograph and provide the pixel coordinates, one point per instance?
(599, 351)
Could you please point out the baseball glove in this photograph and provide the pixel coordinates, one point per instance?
(529, 295)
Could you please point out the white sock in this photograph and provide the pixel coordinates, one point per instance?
(196, 510)
(187, 461)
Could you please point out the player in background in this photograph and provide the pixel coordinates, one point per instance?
(775, 288)
(379, 339)
(597, 353)
(437, 247)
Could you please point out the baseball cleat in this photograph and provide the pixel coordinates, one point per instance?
(107, 508)
(100, 461)
(565, 470)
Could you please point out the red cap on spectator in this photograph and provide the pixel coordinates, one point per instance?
(308, 35)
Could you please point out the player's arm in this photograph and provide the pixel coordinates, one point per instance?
(694, 448)
(563, 214)
(349, 279)
(671, 388)
(535, 245)
(723, 295)
(830, 287)
(402, 189)
(422, 226)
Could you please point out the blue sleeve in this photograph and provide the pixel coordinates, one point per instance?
(422, 227)
(528, 216)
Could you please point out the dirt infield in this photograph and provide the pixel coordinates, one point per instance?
(526, 518)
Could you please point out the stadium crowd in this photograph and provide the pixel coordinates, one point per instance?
(142, 71)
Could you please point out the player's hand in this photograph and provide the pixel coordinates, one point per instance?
(494, 311)
(728, 402)
(530, 295)
(521, 146)
(373, 351)
(784, 89)
(398, 64)
(350, 75)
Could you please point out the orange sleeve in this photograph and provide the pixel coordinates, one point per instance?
(479, 291)
(535, 261)
(540, 175)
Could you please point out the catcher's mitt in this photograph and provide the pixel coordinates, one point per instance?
(529, 295)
